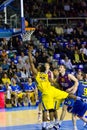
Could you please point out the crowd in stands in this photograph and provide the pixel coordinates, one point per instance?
(55, 8)
(64, 43)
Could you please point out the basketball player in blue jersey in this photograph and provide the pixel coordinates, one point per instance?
(49, 92)
(79, 108)
(82, 89)
(69, 84)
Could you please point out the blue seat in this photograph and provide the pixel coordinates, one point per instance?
(43, 40)
(57, 56)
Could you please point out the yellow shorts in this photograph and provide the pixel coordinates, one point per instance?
(50, 95)
(58, 104)
(32, 94)
(20, 95)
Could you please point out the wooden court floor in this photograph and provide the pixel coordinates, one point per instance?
(26, 118)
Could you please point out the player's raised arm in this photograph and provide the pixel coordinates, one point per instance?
(33, 69)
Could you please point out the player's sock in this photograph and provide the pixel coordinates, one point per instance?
(44, 128)
(60, 122)
(85, 124)
(75, 128)
(56, 126)
(56, 121)
(44, 124)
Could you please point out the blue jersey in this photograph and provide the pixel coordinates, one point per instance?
(65, 82)
(16, 88)
(79, 107)
(82, 90)
(29, 87)
(3, 89)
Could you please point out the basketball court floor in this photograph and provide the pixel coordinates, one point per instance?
(26, 118)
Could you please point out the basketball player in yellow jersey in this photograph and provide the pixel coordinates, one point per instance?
(49, 92)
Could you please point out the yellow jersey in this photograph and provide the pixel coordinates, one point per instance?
(42, 81)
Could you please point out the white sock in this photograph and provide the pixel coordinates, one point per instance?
(75, 127)
(44, 124)
(60, 122)
(56, 121)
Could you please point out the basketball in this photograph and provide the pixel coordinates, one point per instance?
(26, 23)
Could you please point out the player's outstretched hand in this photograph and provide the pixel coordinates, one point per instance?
(30, 48)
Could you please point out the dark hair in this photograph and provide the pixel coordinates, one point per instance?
(63, 65)
(42, 68)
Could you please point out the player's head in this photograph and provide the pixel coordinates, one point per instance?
(42, 68)
(80, 75)
(62, 68)
(47, 66)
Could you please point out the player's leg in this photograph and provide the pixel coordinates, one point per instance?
(82, 112)
(64, 109)
(36, 96)
(44, 120)
(15, 99)
(57, 106)
(20, 99)
(40, 112)
(74, 118)
(40, 106)
(48, 104)
(84, 118)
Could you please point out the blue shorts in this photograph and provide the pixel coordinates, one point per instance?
(69, 102)
(79, 108)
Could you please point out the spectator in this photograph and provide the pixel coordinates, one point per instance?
(31, 90)
(20, 64)
(5, 66)
(17, 94)
(48, 14)
(23, 57)
(59, 30)
(27, 65)
(15, 59)
(13, 66)
(3, 54)
(8, 95)
(24, 74)
(76, 58)
(5, 79)
(83, 57)
(68, 64)
(1, 72)
(83, 49)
